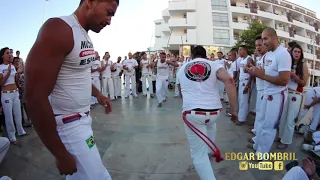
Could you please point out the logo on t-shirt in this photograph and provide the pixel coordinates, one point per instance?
(198, 71)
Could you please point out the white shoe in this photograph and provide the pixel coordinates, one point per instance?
(307, 147)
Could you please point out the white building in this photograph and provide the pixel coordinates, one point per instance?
(216, 24)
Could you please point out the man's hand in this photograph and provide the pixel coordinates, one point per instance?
(309, 166)
(105, 101)
(256, 71)
(66, 164)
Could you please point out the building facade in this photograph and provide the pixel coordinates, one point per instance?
(216, 24)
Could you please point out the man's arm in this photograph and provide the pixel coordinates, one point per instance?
(54, 42)
(281, 80)
(223, 76)
(172, 63)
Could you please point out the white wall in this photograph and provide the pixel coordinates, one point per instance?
(204, 22)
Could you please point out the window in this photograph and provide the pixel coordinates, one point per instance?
(221, 36)
(220, 5)
(220, 19)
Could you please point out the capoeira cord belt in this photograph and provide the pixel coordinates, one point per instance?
(213, 147)
(281, 108)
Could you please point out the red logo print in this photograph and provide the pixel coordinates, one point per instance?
(294, 99)
(85, 53)
(243, 84)
(270, 98)
(197, 70)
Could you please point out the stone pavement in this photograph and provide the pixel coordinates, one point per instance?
(140, 141)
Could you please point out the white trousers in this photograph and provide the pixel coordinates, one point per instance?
(221, 89)
(117, 85)
(145, 78)
(131, 78)
(107, 86)
(253, 99)
(76, 137)
(170, 78)
(198, 148)
(258, 111)
(176, 90)
(296, 173)
(4, 146)
(271, 107)
(307, 101)
(243, 101)
(11, 103)
(97, 84)
(289, 114)
(162, 91)
(316, 117)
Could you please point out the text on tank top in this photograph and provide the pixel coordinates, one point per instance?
(243, 64)
(72, 92)
(162, 70)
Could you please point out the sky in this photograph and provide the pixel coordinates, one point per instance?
(131, 29)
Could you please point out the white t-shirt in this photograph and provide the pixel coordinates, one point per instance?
(275, 62)
(199, 84)
(162, 70)
(220, 61)
(232, 68)
(242, 64)
(130, 63)
(107, 71)
(259, 63)
(4, 71)
(96, 64)
(118, 68)
(144, 63)
(179, 66)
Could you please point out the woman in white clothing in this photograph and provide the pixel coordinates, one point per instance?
(10, 95)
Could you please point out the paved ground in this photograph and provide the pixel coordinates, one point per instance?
(139, 141)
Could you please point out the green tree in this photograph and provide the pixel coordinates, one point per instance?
(248, 36)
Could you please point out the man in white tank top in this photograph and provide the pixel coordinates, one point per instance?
(145, 65)
(107, 82)
(197, 83)
(221, 61)
(232, 56)
(262, 52)
(95, 76)
(244, 85)
(180, 63)
(129, 66)
(162, 71)
(116, 76)
(276, 75)
(65, 126)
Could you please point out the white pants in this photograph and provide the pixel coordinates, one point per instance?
(243, 101)
(258, 111)
(170, 78)
(133, 85)
(96, 83)
(4, 146)
(307, 101)
(316, 117)
(221, 89)
(253, 99)
(107, 86)
(271, 107)
(76, 138)
(289, 114)
(162, 89)
(145, 78)
(176, 90)
(11, 103)
(198, 148)
(117, 85)
(296, 173)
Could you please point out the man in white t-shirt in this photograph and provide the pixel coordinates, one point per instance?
(95, 76)
(116, 76)
(162, 72)
(262, 52)
(180, 63)
(146, 72)
(197, 83)
(107, 82)
(276, 74)
(129, 66)
(221, 61)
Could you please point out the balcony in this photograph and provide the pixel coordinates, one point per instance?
(181, 23)
(165, 15)
(158, 31)
(240, 25)
(301, 39)
(283, 33)
(165, 29)
(240, 9)
(181, 6)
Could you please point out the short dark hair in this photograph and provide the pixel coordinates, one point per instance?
(163, 53)
(244, 47)
(199, 51)
(292, 43)
(220, 52)
(18, 51)
(81, 1)
(234, 49)
(15, 58)
(258, 37)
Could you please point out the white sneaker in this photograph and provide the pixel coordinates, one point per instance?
(307, 147)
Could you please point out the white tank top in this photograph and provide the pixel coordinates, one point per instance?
(243, 64)
(162, 70)
(107, 71)
(4, 71)
(145, 70)
(72, 92)
(96, 65)
(260, 63)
